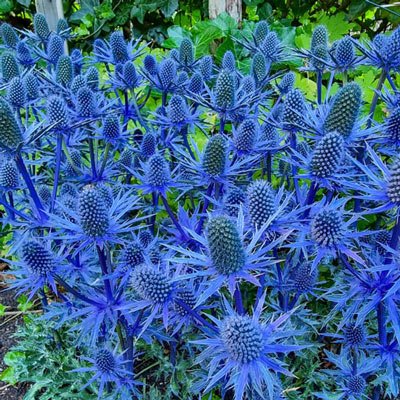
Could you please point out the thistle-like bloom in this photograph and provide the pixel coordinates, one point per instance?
(8, 35)
(9, 67)
(41, 27)
(64, 71)
(8, 176)
(293, 111)
(344, 55)
(11, 135)
(24, 54)
(16, 93)
(243, 352)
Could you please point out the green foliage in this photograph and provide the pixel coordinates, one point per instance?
(45, 361)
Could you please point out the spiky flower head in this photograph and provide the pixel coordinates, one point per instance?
(344, 110)
(269, 134)
(32, 86)
(57, 112)
(167, 73)
(327, 227)
(86, 104)
(119, 48)
(187, 296)
(294, 110)
(233, 200)
(356, 385)
(261, 202)
(321, 57)
(206, 67)
(93, 213)
(76, 158)
(225, 88)
(78, 83)
(248, 84)
(392, 125)
(177, 110)
(24, 54)
(270, 45)
(41, 26)
(261, 30)
(8, 175)
(287, 82)
(391, 50)
(158, 173)
(8, 35)
(319, 37)
(77, 61)
(106, 194)
(126, 158)
(16, 92)
(328, 155)
(259, 67)
(55, 48)
(64, 71)
(9, 67)
(182, 78)
(242, 338)
(150, 64)
(246, 135)
(228, 61)
(225, 245)
(382, 239)
(44, 193)
(69, 189)
(304, 279)
(145, 237)
(215, 154)
(186, 52)
(354, 335)
(133, 255)
(39, 260)
(111, 128)
(393, 185)
(151, 284)
(92, 78)
(11, 134)
(148, 145)
(105, 361)
(344, 52)
(130, 75)
(196, 83)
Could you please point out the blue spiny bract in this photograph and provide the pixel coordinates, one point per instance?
(226, 248)
(261, 202)
(93, 213)
(344, 110)
(328, 155)
(214, 157)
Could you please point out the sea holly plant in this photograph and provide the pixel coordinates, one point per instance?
(203, 219)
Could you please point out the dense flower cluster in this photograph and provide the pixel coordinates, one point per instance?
(212, 208)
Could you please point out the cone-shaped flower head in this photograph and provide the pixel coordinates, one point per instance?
(167, 73)
(16, 92)
(69, 189)
(287, 82)
(215, 154)
(119, 48)
(24, 54)
(78, 82)
(86, 104)
(158, 173)
(39, 260)
(393, 126)
(259, 67)
(319, 37)
(145, 237)
(225, 245)
(393, 185)
(328, 155)
(130, 75)
(92, 78)
(150, 64)
(391, 50)
(93, 213)
(225, 90)
(10, 132)
(187, 296)
(77, 61)
(151, 284)
(62, 26)
(327, 227)
(304, 279)
(111, 128)
(76, 159)
(246, 135)
(126, 158)
(206, 67)
(64, 71)
(32, 86)
(248, 84)
(354, 335)
(105, 361)
(148, 145)
(44, 193)
(344, 52)
(133, 256)
(177, 110)
(321, 56)
(57, 112)
(344, 110)
(9, 67)
(8, 175)
(55, 48)
(356, 385)
(186, 52)
(261, 30)
(41, 26)
(8, 35)
(196, 83)
(228, 62)
(382, 239)
(261, 202)
(294, 110)
(233, 200)
(270, 45)
(242, 338)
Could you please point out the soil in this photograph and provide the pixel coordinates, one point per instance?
(8, 326)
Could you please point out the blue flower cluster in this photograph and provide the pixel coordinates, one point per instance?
(212, 208)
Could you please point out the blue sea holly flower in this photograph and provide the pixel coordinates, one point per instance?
(243, 353)
(8, 35)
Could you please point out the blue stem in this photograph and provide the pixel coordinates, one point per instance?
(105, 272)
(57, 171)
(92, 159)
(293, 145)
(173, 218)
(75, 292)
(269, 166)
(238, 300)
(380, 313)
(310, 197)
(319, 86)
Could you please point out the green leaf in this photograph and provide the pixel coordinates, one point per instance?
(169, 7)
(337, 25)
(6, 6)
(175, 37)
(25, 3)
(253, 2)
(87, 8)
(8, 376)
(23, 303)
(13, 357)
(2, 309)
